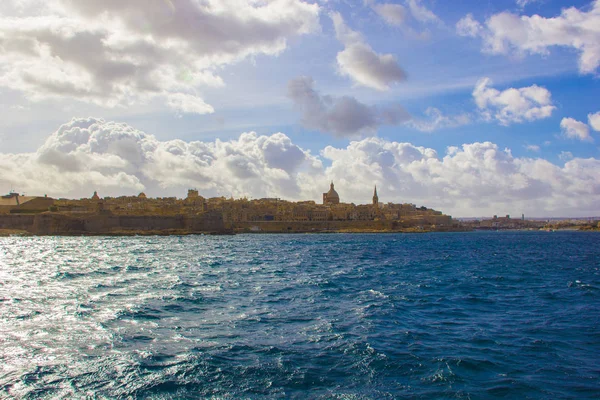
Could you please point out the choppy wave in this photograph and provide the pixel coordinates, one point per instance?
(474, 315)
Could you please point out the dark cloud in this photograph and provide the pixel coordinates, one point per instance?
(341, 116)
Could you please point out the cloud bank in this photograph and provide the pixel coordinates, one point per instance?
(474, 179)
(122, 52)
(506, 33)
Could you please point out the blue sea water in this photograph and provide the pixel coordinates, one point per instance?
(425, 316)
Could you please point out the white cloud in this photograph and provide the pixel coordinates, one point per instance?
(359, 62)
(437, 120)
(468, 26)
(341, 116)
(393, 14)
(574, 129)
(533, 147)
(422, 13)
(594, 121)
(188, 103)
(121, 52)
(474, 179)
(512, 105)
(505, 33)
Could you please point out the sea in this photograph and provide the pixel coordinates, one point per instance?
(477, 315)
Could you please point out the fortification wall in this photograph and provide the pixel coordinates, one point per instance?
(98, 224)
(152, 223)
(57, 224)
(70, 224)
(17, 222)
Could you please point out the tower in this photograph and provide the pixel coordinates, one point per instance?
(375, 197)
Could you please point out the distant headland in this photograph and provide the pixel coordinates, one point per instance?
(195, 214)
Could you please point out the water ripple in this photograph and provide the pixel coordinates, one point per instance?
(476, 315)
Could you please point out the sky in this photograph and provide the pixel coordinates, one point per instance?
(473, 108)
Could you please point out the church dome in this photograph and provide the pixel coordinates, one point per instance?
(332, 197)
(332, 194)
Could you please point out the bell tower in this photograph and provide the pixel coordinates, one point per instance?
(375, 197)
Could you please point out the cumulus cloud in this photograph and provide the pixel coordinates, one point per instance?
(340, 116)
(506, 33)
(574, 129)
(594, 121)
(533, 147)
(474, 179)
(363, 65)
(120, 52)
(114, 158)
(512, 105)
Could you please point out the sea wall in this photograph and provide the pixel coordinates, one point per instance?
(73, 224)
(57, 223)
(111, 223)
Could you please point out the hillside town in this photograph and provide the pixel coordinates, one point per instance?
(241, 215)
(265, 209)
(197, 214)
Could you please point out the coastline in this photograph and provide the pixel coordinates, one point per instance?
(108, 224)
(132, 233)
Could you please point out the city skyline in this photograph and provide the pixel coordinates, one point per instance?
(473, 109)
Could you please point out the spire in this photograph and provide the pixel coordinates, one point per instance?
(375, 197)
(331, 186)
